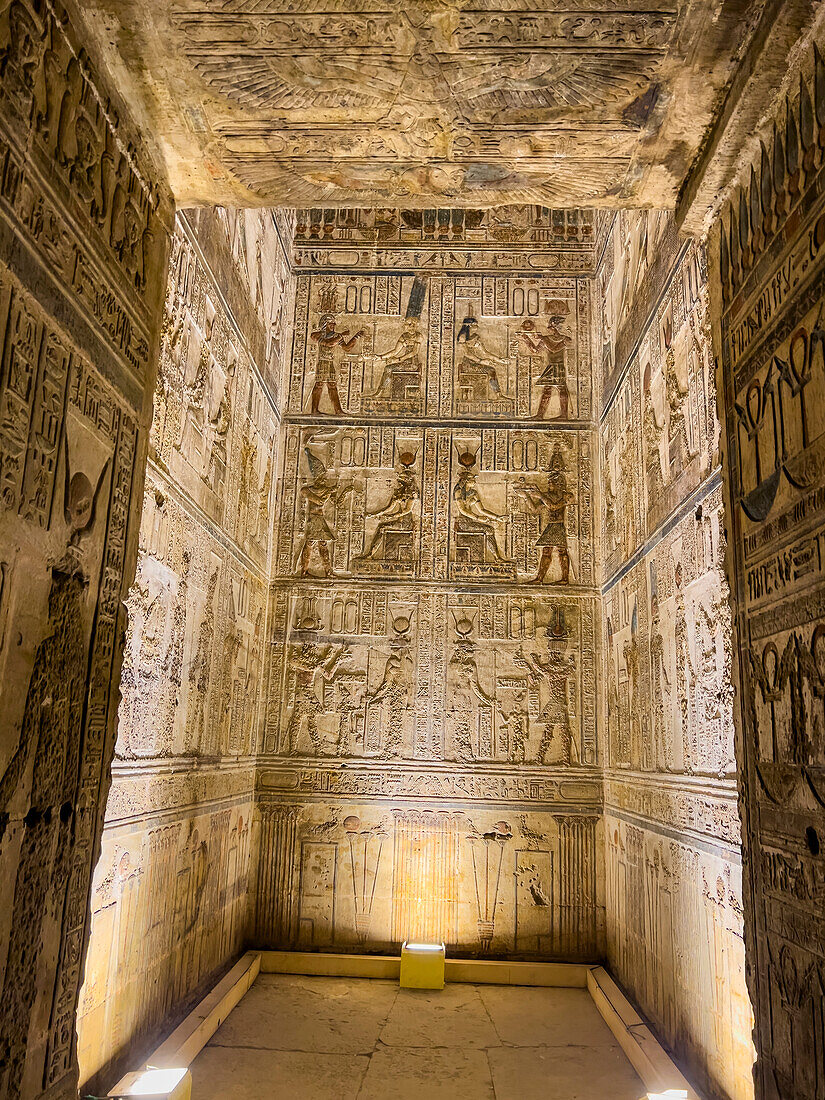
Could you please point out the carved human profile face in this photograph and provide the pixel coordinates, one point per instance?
(80, 502)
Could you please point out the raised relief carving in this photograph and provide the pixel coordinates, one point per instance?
(413, 677)
(399, 387)
(476, 549)
(371, 875)
(67, 453)
(394, 535)
(170, 890)
(320, 496)
(668, 658)
(549, 349)
(423, 345)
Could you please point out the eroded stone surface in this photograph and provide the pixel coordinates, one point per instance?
(170, 896)
(430, 749)
(673, 886)
(426, 104)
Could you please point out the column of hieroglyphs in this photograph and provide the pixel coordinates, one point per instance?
(768, 278)
(84, 218)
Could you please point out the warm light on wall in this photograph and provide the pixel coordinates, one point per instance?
(669, 1094)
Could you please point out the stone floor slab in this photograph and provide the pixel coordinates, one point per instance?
(291, 1012)
(545, 1017)
(563, 1073)
(314, 1038)
(441, 1073)
(454, 1016)
(244, 1073)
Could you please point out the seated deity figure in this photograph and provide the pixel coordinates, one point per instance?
(478, 381)
(397, 513)
(400, 381)
(471, 515)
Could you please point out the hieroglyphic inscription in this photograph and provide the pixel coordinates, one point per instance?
(771, 281)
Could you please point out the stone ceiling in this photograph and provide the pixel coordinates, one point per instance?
(425, 103)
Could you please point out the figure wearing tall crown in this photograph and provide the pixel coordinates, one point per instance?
(316, 496)
(551, 506)
(328, 338)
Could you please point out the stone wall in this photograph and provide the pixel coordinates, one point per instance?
(673, 866)
(430, 758)
(768, 275)
(169, 903)
(83, 236)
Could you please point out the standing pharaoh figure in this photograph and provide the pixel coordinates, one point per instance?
(684, 670)
(661, 683)
(554, 671)
(552, 506)
(653, 430)
(551, 347)
(307, 661)
(632, 660)
(328, 338)
(613, 710)
(321, 491)
(199, 673)
(676, 398)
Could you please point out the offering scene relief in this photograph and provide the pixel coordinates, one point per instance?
(170, 893)
(434, 609)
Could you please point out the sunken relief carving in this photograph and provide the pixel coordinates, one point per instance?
(770, 252)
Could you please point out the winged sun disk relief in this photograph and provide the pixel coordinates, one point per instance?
(540, 80)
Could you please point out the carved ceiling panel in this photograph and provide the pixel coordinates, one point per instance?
(373, 102)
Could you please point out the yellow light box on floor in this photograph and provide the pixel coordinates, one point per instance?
(422, 965)
(155, 1084)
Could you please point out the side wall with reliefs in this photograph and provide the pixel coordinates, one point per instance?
(84, 220)
(768, 278)
(170, 893)
(672, 855)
